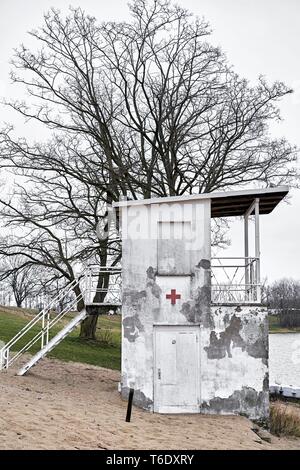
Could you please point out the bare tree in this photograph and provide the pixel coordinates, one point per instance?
(138, 109)
(21, 281)
(146, 107)
(55, 222)
(284, 293)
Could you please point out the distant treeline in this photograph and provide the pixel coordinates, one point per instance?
(283, 297)
(289, 318)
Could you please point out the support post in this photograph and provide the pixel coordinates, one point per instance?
(88, 285)
(43, 331)
(6, 358)
(246, 254)
(129, 406)
(257, 251)
(47, 326)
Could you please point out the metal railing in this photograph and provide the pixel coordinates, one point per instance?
(44, 321)
(49, 316)
(235, 280)
(110, 293)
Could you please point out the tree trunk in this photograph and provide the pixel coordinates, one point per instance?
(80, 303)
(89, 325)
(17, 299)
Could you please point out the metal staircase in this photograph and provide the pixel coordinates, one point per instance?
(40, 327)
(53, 342)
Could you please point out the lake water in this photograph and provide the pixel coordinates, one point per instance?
(284, 358)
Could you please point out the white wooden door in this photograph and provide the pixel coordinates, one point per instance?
(176, 370)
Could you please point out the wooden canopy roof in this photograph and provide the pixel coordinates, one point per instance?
(224, 204)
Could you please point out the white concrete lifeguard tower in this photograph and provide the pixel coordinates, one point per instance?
(194, 331)
(192, 342)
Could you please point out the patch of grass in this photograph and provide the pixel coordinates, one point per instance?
(106, 337)
(274, 326)
(284, 420)
(104, 352)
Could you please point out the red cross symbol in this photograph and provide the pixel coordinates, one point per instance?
(173, 296)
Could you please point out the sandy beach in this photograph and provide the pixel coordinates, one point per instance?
(77, 406)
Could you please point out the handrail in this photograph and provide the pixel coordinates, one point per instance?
(4, 352)
(238, 283)
(35, 319)
(42, 332)
(45, 314)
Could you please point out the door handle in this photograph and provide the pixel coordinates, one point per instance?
(159, 374)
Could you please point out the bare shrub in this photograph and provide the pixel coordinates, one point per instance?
(105, 337)
(284, 420)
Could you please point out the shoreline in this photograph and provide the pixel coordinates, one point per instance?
(283, 330)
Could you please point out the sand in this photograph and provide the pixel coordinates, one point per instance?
(77, 406)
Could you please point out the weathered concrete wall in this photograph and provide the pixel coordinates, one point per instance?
(144, 300)
(233, 340)
(234, 362)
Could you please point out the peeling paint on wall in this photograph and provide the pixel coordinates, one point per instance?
(151, 282)
(222, 342)
(132, 327)
(139, 399)
(266, 382)
(234, 362)
(198, 310)
(204, 263)
(133, 297)
(188, 311)
(247, 401)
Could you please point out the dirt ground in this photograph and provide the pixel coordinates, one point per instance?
(77, 406)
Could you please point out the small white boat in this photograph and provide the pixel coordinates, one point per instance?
(285, 390)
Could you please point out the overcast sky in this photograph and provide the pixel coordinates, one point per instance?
(258, 36)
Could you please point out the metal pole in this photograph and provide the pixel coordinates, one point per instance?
(6, 357)
(246, 251)
(43, 333)
(90, 286)
(85, 287)
(48, 320)
(129, 406)
(257, 250)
